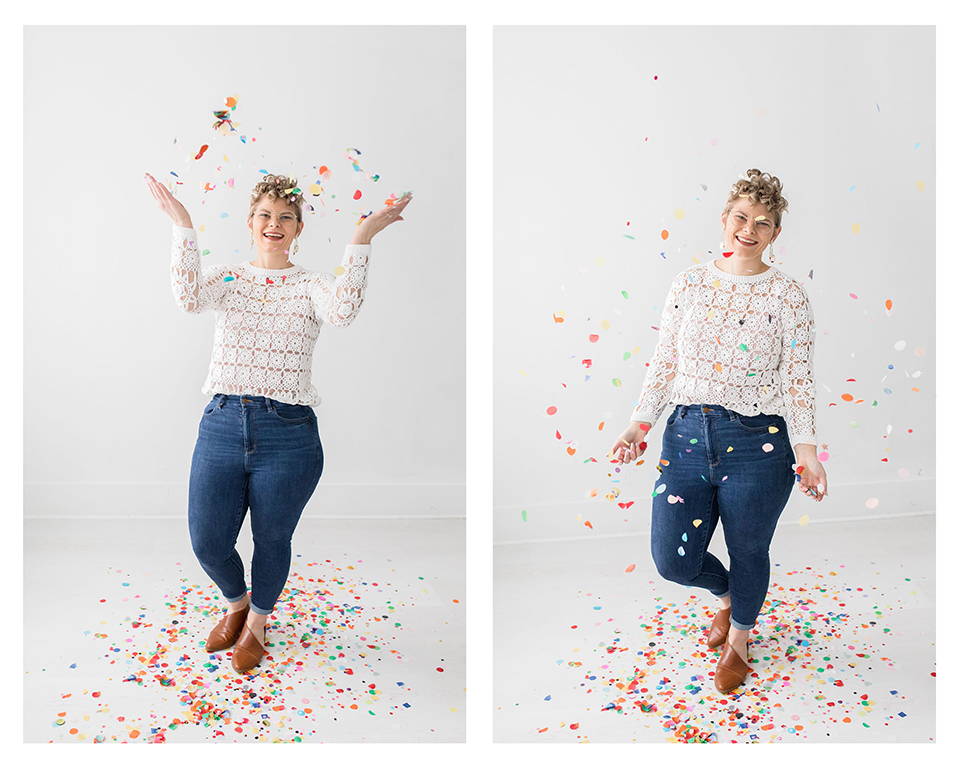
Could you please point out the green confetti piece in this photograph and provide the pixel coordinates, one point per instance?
(616, 382)
(205, 253)
(626, 355)
(625, 294)
(523, 514)
(743, 347)
(630, 237)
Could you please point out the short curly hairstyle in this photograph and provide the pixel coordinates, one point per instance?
(277, 188)
(762, 188)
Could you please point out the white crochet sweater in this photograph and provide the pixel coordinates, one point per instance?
(744, 342)
(268, 320)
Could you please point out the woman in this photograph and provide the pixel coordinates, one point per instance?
(735, 359)
(258, 445)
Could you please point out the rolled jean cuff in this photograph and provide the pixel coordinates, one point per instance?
(725, 594)
(235, 599)
(260, 611)
(741, 627)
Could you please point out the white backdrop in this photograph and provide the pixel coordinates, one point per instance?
(113, 370)
(614, 152)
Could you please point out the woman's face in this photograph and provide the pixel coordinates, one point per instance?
(274, 225)
(748, 229)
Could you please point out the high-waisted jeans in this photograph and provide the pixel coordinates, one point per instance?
(718, 465)
(257, 453)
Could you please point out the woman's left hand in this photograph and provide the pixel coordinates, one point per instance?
(813, 478)
(367, 228)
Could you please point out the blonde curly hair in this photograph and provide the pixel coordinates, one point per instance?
(277, 188)
(762, 188)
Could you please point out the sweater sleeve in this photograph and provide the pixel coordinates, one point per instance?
(658, 384)
(337, 298)
(796, 365)
(195, 290)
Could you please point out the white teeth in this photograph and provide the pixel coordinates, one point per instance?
(747, 242)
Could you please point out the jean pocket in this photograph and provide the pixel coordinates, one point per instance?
(672, 418)
(292, 414)
(759, 423)
(212, 407)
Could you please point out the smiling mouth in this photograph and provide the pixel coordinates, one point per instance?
(273, 236)
(745, 242)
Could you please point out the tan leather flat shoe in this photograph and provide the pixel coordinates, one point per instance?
(227, 631)
(248, 651)
(719, 628)
(731, 670)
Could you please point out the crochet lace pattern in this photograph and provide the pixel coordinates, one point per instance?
(744, 342)
(267, 320)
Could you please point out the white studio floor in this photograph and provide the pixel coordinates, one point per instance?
(367, 643)
(844, 652)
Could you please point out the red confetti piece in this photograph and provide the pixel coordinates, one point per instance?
(594, 338)
(203, 149)
(357, 195)
(727, 254)
(625, 505)
(551, 410)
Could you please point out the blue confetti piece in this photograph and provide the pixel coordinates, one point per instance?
(916, 145)
(684, 537)
(407, 706)
(680, 551)
(224, 215)
(547, 698)
(73, 666)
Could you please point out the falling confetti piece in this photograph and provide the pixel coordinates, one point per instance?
(853, 296)
(872, 503)
(664, 235)
(339, 271)
(696, 523)
(920, 186)
(600, 261)
(900, 346)
(523, 514)
(889, 305)
(856, 229)
(804, 520)
(767, 447)
(625, 294)
(678, 214)
(203, 149)
(357, 195)
(630, 568)
(772, 430)
(594, 338)
(616, 382)
(551, 410)
(588, 524)
(680, 551)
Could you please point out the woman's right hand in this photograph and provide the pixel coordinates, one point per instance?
(168, 203)
(631, 444)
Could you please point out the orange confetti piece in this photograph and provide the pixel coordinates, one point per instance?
(718, 367)
(588, 524)
(557, 319)
(630, 568)
(571, 450)
(664, 234)
(601, 425)
(848, 398)
(889, 305)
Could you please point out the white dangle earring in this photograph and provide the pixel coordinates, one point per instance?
(296, 246)
(771, 253)
(251, 241)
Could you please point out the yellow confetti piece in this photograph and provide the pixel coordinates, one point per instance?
(760, 218)
(605, 325)
(920, 186)
(804, 520)
(711, 314)
(201, 228)
(339, 271)
(730, 448)
(521, 372)
(696, 523)
(600, 261)
(856, 229)
(678, 214)
(773, 430)
(454, 710)
(637, 349)
(716, 283)
(315, 189)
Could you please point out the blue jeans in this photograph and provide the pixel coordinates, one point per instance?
(257, 453)
(718, 465)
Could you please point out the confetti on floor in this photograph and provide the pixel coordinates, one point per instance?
(334, 649)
